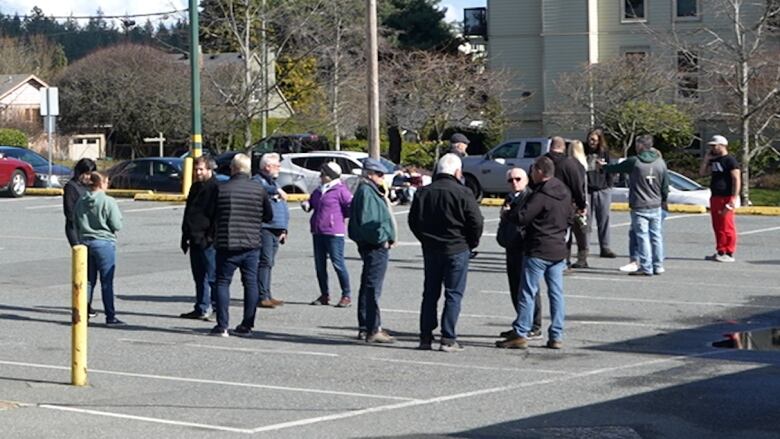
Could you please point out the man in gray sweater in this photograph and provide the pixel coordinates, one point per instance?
(647, 192)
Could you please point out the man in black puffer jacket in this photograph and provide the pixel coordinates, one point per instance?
(546, 217)
(241, 206)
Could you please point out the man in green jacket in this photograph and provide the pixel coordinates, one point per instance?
(372, 227)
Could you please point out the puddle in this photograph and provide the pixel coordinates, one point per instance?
(758, 340)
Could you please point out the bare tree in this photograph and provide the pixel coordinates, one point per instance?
(35, 54)
(740, 70)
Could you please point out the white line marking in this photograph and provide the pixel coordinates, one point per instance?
(148, 209)
(59, 205)
(145, 419)
(447, 398)
(466, 366)
(216, 382)
(401, 212)
(673, 217)
(751, 232)
(227, 348)
(492, 220)
(659, 301)
(675, 283)
(29, 198)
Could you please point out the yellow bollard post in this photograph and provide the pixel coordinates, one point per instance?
(78, 371)
(186, 178)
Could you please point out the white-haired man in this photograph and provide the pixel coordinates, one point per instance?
(274, 231)
(511, 236)
(446, 219)
(240, 208)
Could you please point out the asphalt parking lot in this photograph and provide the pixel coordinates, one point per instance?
(637, 360)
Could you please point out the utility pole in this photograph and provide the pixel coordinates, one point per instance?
(197, 138)
(264, 114)
(372, 54)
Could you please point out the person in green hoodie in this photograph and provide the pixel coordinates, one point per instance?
(98, 218)
(372, 227)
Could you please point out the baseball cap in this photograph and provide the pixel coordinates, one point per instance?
(372, 164)
(718, 140)
(331, 169)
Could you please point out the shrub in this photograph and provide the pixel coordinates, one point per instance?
(13, 137)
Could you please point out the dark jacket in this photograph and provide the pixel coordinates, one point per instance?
(571, 173)
(281, 212)
(648, 179)
(510, 234)
(546, 216)
(196, 226)
(598, 178)
(370, 221)
(241, 207)
(445, 217)
(70, 195)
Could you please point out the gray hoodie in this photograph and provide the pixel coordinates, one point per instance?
(648, 179)
(97, 216)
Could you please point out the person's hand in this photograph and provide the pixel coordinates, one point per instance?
(282, 194)
(665, 206)
(582, 211)
(283, 238)
(184, 244)
(305, 206)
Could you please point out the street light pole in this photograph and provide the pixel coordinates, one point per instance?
(372, 54)
(197, 138)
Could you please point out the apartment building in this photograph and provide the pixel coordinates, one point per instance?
(539, 40)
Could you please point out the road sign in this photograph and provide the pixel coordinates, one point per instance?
(50, 102)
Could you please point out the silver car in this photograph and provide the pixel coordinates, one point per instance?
(486, 174)
(301, 171)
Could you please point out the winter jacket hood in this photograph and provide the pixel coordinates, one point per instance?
(371, 222)
(97, 216)
(572, 174)
(546, 216)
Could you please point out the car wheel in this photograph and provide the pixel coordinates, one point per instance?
(293, 190)
(18, 184)
(473, 184)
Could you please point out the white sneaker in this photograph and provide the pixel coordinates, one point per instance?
(724, 258)
(659, 270)
(630, 267)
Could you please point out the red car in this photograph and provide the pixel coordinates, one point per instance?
(15, 176)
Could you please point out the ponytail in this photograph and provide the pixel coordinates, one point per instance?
(96, 179)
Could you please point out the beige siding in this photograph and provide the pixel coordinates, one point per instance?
(564, 16)
(562, 54)
(514, 17)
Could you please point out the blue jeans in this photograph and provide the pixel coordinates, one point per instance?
(632, 250)
(268, 250)
(227, 263)
(450, 270)
(101, 258)
(333, 246)
(203, 264)
(647, 227)
(371, 279)
(533, 271)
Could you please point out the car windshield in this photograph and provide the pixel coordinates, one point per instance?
(392, 167)
(683, 183)
(27, 156)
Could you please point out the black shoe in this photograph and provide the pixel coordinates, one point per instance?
(113, 321)
(425, 344)
(219, 332)
(607, 253)
(507, 334)
(580, 264)
(242, 331)
(194, 315)
(91, 312)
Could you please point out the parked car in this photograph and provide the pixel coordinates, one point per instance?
(59, 174)
(183, 153)
(291, 143)
(682, 190)
(161, 174)
(486, 174)
(15, 176)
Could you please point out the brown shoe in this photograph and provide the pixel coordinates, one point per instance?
(266, 304)
(277, 302)
(380, 337)
(554, 344)
(345, 302)
(513, 343)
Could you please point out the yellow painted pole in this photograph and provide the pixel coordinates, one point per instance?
(186, 178)
(78, 371)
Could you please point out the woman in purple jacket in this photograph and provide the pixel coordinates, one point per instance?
(330, 203)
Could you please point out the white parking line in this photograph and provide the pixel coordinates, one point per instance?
(59, 205)
(36, 238)
(228, 348)
(659, 301)
(673, 217)
(629, 279)
(466, 366)
(16, 200)
(215, 382)
(753, 232)
(148, 209)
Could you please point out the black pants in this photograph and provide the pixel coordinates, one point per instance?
(514, 271)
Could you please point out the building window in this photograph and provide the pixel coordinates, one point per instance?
(634, 10)
(687, 75)
(686, 9)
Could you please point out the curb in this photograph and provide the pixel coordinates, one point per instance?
(127, 193)
(169, 197)
(42, 191)
(297, 197)
(759, 210)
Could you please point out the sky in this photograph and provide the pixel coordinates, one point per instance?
(120, 7)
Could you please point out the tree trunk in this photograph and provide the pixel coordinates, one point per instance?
(745, 132)
(394, 136)
(247, 86)
(336, 79)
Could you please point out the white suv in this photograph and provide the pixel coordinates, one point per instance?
(304, 169)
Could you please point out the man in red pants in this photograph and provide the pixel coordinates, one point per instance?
(725, 186)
